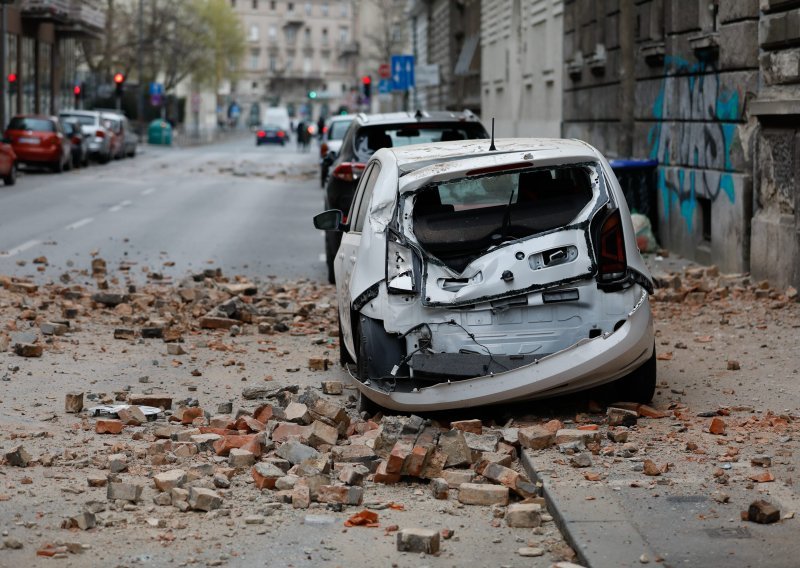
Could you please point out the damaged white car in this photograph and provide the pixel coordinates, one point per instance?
(474, 276)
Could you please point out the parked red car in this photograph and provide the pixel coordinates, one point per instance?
(40, 141)
(8, 164)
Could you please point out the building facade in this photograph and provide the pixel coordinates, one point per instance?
(40, 53)
(522, 66)
(671, 81)
(301, 54)
(446, 34)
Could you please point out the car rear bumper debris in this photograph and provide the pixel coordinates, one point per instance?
(588, 363)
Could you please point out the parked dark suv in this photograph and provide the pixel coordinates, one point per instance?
(369, 133)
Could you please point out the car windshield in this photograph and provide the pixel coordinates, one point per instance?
(82, 118)
(459, 220)
(370, 139)
(36, 124)
(338, 128)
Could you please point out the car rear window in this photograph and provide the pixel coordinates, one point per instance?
(337, 129)
(370, 139)
(36, 124)
(82, 118)
(460, 219)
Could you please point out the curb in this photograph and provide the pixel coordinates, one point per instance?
(591, 520)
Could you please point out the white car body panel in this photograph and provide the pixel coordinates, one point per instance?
(528, 327)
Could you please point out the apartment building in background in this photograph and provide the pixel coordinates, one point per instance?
(301, 54)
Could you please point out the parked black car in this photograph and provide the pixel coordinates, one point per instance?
(78, 141)
(368, 134)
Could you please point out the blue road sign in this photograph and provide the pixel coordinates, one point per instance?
(384, 86)
(156, 89)
(402, 72)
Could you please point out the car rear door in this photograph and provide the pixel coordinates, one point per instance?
(351, 240)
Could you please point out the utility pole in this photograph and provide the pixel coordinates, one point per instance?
(140, 64)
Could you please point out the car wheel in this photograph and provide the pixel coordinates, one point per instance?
(365, 404)
(344, 354)
(640, 385)
(11, 178)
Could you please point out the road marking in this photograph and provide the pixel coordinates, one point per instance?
(119, 206)
(321, 257)
(148, 191)
(23, 247)
(79, 224)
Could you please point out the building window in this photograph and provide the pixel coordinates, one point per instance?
(273, 63)
(272, 5)
(307, 36)
(306, 65)
(343, 9)
(289, 63)
(290, 6)
(254, 53)
(255, 4)
(308, 8)
(324, 36)
(273, 31)
(233, 3)
(254, 33)
(26, 77)
(325, 9)
(45, 76)
(344, 35)
(291, 35)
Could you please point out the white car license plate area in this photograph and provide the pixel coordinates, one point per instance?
(25, 140)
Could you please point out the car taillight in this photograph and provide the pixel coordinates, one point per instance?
(324, 129)
(323, 150)
(261, 134)
(348, 171)
(100, 134)
(281, 134)
(612, 262)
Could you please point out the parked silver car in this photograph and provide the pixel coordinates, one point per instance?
(98, 135)
(471, 276)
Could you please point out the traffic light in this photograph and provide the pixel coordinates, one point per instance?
(119, 81)
(366, 86)
(12, 83)
(312, 94)
(77, 91)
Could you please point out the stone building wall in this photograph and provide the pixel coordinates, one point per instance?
(677, 93)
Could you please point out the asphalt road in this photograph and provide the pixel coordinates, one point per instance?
(230, 205)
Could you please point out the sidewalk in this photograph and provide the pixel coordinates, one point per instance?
(672, 489)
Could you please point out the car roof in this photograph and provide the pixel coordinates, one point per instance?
(421, 116)
(414, 156)
(80, 112)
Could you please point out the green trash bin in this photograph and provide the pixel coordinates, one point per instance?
(159, 132)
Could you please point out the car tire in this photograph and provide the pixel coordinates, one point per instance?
(365, 404)
(640, 385)
(11, 178)
(344, 354)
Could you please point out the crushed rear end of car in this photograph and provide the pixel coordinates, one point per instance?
(505, 280)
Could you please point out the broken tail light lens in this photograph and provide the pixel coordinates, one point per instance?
(399, 267)
(348, 171)
(612, 261)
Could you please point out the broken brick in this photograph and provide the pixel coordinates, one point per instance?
(763, 512)
(482, 494)
(108, 426)
(418, 540)
(474, 426)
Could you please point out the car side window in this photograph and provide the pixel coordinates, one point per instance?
(366, 195)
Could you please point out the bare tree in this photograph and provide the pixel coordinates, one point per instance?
(389, 36)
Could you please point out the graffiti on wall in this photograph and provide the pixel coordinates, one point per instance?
(695, 136)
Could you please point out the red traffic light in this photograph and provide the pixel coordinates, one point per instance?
(12, 77)
(119, 78)
(77, 90)
(366, 80)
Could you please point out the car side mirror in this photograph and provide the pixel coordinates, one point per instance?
(330, 220)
